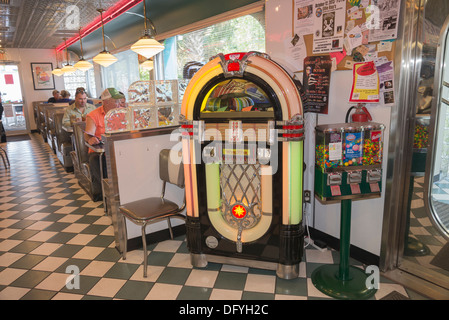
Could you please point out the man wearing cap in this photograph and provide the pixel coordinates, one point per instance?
(78, 110)
(110, 99)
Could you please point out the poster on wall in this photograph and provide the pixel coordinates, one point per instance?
(329, 24)
(386, 79)
(316, 80)
(382, 18)
(303, 17)
(365, 83)
(42, 76)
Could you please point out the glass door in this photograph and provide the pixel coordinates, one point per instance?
(426, 249)
(13, 117)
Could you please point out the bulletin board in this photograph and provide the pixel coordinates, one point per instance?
(308, 39)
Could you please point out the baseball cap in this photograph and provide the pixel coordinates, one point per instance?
(111, 93)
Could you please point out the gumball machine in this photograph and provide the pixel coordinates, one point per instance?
(348, 166)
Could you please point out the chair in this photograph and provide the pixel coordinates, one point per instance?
(80, 159)
(18, 112)
(63, 142)
(145, 211)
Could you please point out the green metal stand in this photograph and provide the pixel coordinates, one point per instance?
(342, 281)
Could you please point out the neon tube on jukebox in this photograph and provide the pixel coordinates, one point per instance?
(242, 145)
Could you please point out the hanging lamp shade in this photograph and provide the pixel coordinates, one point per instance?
(104, 58)
(68, 68)
(82, 64)
(147, 65)
(147, 46)
(57, 71)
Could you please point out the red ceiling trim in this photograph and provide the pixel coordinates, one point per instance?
(108, 15)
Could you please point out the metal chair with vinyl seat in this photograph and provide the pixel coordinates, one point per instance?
(145, 211)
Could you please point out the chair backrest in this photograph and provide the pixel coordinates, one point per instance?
(80, 146)
(171, 168)
(61, 135)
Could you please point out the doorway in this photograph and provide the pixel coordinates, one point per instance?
(14, 115)
(415, 237)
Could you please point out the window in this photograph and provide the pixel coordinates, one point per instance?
(243, 34)
(122, 73)
(85, 79)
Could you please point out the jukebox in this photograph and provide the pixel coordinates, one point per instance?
(242, 140)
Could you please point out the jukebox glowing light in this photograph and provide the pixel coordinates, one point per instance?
(239, 211)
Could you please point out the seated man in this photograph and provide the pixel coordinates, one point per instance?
(78, 110)
(94, 129)
(56, 96)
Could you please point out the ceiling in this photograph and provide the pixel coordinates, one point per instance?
(44, 23)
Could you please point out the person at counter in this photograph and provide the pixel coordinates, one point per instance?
(110, 99)
(55, 98)
(78, 110)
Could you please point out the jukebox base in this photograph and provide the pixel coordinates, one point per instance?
(282, 271)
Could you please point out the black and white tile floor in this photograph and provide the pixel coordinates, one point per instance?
(48, 224)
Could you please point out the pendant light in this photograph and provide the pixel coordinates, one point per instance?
(57, 71)
(147, 46)
(147, 65)
(82, 64)
(68, 68)
(104, 58)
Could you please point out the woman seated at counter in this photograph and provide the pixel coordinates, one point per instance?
(77, 111)
(111, 99)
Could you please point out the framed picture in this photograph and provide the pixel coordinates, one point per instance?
(42, 76)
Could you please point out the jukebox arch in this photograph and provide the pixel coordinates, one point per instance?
(244, 186)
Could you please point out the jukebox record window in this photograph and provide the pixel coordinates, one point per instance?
(237, 96)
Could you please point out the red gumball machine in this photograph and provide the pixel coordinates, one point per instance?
(242, 130)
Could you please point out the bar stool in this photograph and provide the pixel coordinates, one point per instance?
(149, 210)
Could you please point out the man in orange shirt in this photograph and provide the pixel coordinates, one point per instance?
(94, 129)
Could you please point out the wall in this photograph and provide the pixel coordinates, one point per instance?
(367, 215)
(25, 57)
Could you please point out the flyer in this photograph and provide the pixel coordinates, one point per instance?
(303, 17)
(316, 80)
(382, 19)
(386, 78)
(297, 52)
(365, 85)
(329, 24)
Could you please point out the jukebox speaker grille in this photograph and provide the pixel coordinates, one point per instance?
(241, 200)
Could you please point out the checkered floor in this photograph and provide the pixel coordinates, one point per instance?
(49, 227)
(422, 229)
